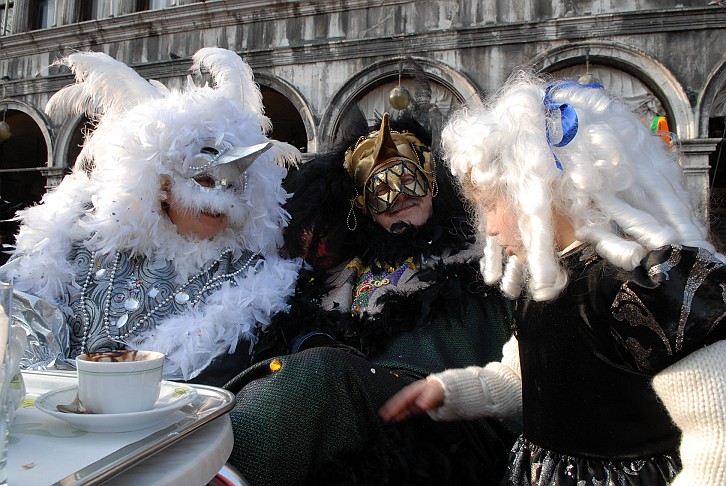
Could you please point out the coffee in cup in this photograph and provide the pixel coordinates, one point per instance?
(122, 381)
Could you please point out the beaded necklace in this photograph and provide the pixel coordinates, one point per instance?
(179, 296)
(368, 281)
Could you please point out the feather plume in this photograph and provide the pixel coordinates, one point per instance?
(230, 315)
(233, 77)
(102, 84)
(285, 155)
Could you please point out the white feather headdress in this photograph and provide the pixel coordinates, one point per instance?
(145, 133)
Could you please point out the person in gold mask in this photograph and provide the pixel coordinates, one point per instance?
(392, 294)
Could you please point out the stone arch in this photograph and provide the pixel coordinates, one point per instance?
(298, 101)
(27, 159)
(39, 118)
(650, 71)
(459, 84)
(65, 134)
(715, 82)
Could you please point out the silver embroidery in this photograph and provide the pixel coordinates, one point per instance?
(719, 318)
(641, 355)
(548, 468)
(705, 264)
(665, 267)
(628, 307)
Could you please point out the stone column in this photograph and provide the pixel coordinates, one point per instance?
(696, 166)
(53, 176)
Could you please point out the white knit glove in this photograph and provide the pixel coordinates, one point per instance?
(492, 391)
(694, 392)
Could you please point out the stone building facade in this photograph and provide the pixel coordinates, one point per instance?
(317, 62)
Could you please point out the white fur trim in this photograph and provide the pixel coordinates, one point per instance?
(233, 313)
(39, 265)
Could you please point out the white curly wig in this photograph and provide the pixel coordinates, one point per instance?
(619, 185)
(144, 140)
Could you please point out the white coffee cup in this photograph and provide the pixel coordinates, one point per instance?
(119, 381)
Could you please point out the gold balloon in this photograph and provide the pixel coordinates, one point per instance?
(399, 98)
(588, 78)
(5, 131)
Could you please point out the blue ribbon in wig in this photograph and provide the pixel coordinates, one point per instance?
(568, 116)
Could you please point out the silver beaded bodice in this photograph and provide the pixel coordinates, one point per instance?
(119, 296)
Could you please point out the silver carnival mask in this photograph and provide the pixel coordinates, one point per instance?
(222, 166)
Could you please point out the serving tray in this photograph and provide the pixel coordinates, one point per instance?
(44, 450)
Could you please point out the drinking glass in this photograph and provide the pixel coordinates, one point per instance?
(6, 372)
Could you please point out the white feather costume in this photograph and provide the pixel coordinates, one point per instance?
(102, 247)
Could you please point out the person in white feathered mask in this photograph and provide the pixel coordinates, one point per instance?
(166, 234)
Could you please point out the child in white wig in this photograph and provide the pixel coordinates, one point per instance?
(618, 363)
(165, 235)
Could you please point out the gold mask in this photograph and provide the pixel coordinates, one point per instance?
(381, 147)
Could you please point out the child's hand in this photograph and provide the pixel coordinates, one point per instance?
(418, 397)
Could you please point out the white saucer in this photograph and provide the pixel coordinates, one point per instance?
(173, 396)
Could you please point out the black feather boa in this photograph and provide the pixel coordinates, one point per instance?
(380, 249)
(405, 312)
(401, 312)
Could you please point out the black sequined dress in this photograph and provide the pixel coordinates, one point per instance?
(588, 358)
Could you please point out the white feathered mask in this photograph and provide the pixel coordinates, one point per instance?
(206, 144)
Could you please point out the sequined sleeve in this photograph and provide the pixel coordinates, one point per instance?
(671, 305)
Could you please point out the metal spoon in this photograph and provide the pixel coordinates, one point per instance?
(74, 407)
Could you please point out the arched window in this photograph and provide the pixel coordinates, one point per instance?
(287, 124)
(626, 87)
(429, 102)
(23, 156)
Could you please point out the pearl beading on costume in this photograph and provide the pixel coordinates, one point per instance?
(84, 311)
(213, 283)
